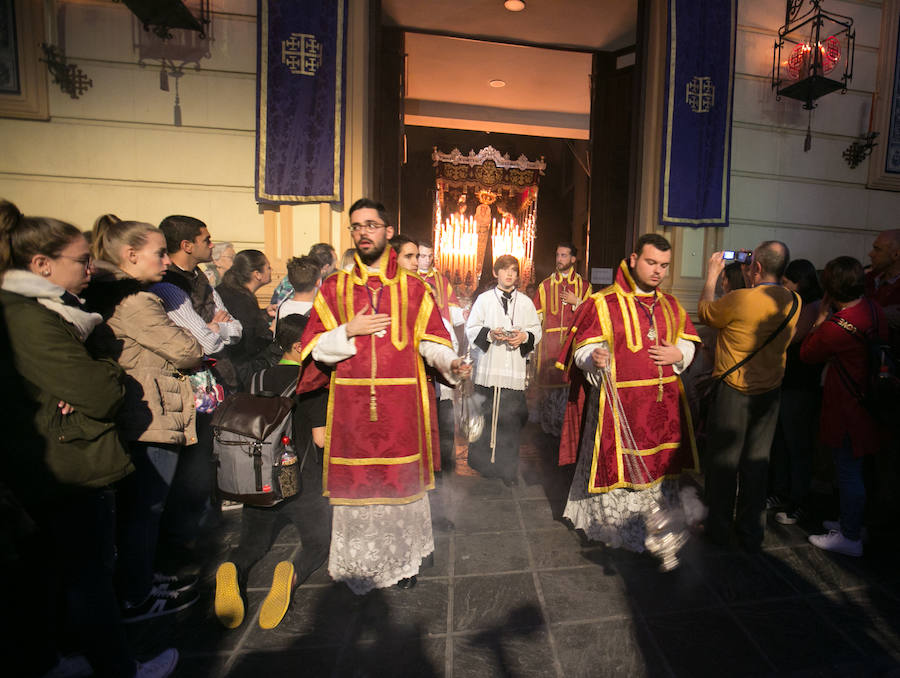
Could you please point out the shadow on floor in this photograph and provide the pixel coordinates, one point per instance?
(514, 592)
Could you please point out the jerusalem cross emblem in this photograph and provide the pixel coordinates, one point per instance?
(301, 53)
(700, 94)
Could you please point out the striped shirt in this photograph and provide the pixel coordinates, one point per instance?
(181, 312)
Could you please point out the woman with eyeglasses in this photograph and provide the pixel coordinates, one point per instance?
(159, 415)
(65, 452)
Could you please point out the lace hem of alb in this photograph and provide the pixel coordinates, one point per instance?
(616, 518)
(376, 546)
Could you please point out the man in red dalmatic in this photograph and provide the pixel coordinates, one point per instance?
(641, 339)
(556, 299)
(374, 324)
(448, 304)
(444, 296)
(883, 281)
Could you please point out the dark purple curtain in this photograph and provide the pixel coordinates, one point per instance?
(696, 156)
(300, 100)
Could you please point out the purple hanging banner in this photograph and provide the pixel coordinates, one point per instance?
(696, 153)
(300, 100)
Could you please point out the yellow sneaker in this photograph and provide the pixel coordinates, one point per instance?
(229, 604)
(276, 603)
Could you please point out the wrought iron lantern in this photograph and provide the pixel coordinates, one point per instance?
(161, 16)
(813, 55)
(176, 39)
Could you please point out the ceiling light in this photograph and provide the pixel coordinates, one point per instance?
(514, 5)
(497, 83)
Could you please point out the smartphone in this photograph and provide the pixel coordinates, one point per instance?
(741, 257)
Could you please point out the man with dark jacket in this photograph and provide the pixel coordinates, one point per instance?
(189, 244)
(309, 511)
(883, 281)
(193, 304)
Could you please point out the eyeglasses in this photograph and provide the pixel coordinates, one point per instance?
(85, 262)
(368, 227)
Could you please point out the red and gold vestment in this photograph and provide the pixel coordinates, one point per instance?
(653, 398)
(380, 440)
(444, 296)
(556, 318)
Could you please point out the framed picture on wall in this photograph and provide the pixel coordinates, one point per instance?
(9, 53)
(884, 163)
(23, 78)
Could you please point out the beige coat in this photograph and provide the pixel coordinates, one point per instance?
(159, 401)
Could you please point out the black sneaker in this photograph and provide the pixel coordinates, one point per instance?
(407, 583)
(159, 603)
(170, 582)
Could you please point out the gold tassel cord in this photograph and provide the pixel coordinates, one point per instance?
(495, 415)
(373, 406)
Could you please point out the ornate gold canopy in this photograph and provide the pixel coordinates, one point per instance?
(479, 198)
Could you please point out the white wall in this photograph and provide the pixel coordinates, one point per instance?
(812, 201)
(116, 149)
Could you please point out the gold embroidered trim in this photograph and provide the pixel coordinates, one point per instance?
(376, 461)
(380, 381)
(645, 382)
(380, 500)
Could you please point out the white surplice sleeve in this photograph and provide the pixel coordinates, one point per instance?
(334, 346)
(687, 349)
(585, 362)
(439, 357)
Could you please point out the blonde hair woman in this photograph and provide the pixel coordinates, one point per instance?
(159, 416)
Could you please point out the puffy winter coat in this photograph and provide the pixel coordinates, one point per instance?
(159, 400)
(82, 448)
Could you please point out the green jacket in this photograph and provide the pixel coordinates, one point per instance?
(82, 448)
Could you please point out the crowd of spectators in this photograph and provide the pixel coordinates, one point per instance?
(118, 349)
(797, 401)
(120, 343)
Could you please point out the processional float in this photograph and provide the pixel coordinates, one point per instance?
(483, 198)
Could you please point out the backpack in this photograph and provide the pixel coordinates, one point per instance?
(880, 394)
(252, 445)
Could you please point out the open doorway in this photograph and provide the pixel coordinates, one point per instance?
(545, 107)
(525, 102)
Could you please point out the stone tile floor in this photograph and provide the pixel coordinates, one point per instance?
(514, 592)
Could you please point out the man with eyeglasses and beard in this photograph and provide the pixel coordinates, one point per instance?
(374, 325)
(557, 299)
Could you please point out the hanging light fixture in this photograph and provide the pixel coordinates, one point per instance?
(161, 16)
(174, 46)
(813, 55)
